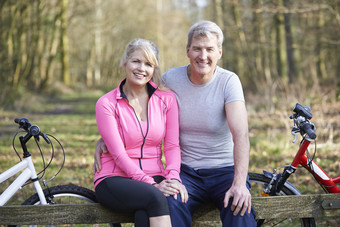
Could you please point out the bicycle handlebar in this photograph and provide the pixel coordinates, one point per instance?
(301, 118)
(32, 130)
(23, 123)
(309, 129)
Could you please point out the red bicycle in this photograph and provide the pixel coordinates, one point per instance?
(275, 183)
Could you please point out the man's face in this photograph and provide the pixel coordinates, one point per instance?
(204, 54)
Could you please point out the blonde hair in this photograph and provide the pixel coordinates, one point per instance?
(150, 51)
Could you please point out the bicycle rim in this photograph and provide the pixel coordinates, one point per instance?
(64, 194)
(258, 183)
(67, 194)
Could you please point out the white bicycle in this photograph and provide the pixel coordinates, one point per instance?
(61, 194)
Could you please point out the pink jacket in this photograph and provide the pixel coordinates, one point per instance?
(135, 147)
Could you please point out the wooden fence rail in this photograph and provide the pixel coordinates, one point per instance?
(265, 207)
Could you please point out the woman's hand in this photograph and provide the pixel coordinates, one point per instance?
(172, 188)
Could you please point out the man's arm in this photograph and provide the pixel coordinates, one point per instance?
(100, 148)
(238, 123)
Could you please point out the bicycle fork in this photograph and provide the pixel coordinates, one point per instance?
(276, 184)
(278, 181)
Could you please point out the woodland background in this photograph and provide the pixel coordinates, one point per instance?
(278, 48)
(57, 57)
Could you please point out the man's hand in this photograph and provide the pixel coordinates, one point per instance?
(172, 188)
(241, 199)
(100, 148)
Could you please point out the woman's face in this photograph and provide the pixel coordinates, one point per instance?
(138, 69)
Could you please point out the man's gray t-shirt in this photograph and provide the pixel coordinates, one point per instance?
(205, 138)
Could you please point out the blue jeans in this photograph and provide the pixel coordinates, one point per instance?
(207, 185)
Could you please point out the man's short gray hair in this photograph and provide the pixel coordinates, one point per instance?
(205, 29)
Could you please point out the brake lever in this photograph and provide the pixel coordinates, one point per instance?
(294, 133)
(45, 137)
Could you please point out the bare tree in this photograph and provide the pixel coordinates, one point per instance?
(63, 4)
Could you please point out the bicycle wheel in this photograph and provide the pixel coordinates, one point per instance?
(66, 194)
(258, 183)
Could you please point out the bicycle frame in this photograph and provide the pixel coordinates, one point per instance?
(29, 173)
(327, 183)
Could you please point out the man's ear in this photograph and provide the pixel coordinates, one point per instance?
(187, 48)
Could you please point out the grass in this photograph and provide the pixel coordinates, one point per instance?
(71, 119)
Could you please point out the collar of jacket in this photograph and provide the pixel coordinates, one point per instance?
(151, 86)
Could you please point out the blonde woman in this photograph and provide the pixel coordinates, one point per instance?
(134, 120)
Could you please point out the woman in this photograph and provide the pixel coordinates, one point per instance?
(133, 120)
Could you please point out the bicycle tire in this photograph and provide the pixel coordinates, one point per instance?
(66, 194)
(74, 194)
(258, 183)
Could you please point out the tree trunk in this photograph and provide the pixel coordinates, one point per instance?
(240, 41)
(289, 45)
(218, 17)
(264, 81)
(320, 52)
(64, 43)
(97, 42)
(281, 51)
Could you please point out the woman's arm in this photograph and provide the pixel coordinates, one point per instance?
(173, 186)
(172, 150)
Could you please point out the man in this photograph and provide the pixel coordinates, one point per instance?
(214, 137)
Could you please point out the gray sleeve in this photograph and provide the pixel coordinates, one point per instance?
(233, 90)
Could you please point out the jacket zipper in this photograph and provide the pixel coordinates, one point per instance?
(141, 130)
(144, 137)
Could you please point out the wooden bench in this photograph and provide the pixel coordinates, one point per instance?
(265, 207)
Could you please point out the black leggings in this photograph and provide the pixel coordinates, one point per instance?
(122, 194)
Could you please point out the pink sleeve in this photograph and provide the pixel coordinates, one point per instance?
(172, 151)
(108, 129)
